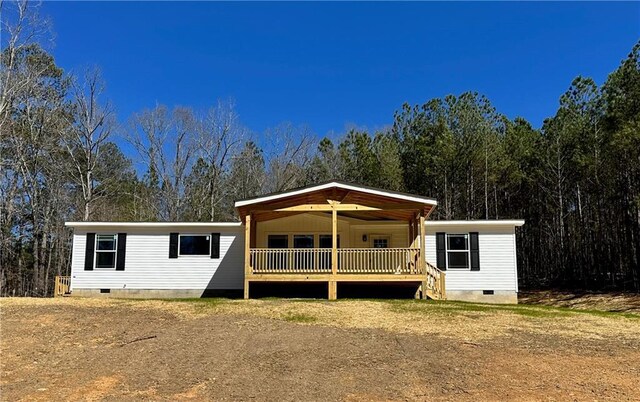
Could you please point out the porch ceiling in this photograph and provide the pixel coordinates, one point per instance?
(354, 201)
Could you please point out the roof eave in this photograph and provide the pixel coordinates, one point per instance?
(342, 185)
(151, 224)
(496, 222)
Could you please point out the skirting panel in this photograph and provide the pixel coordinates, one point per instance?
(479, 296)
(140, 293)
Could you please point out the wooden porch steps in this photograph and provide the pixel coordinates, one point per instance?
(62, 286)
(435, 283)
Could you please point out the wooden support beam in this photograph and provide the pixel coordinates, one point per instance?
(333, 285)
(254, 232)
(305, 207)
(417, 279)
(418, 293)
(341, 207)
(328, 207)
(423, 257)
(247, 254)
(333, 290)
(414, 239)
(334, 241)
(412, 233)
(429, 211)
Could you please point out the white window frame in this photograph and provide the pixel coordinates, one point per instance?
(375, 237)
(192, 235)
(468, 251)
(114, 251)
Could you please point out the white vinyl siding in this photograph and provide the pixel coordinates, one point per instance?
(148, 266)
(497, 258)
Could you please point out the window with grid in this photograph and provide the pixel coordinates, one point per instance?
(458, 251)
(106, 250)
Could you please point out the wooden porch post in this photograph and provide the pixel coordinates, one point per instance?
(333, 287)
(247, 254)
(416, 264)
(410, 233)
(423, 258)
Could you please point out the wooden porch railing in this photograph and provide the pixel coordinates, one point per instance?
(351, 261)
(62, 285)
(379, 261)
(403, 261)
(435, 283)
(290, 260)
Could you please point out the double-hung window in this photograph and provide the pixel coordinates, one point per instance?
(458, 255)
(106, 249)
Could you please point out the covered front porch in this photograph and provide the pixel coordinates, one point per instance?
(337, 232)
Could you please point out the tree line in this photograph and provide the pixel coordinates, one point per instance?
(65, 156)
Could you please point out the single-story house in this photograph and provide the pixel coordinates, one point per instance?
(332, 234)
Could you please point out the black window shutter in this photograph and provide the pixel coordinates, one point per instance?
(122, 249)
(88, 251)
(441, 252)
(173, 245)
(475, 251)
(215, 245)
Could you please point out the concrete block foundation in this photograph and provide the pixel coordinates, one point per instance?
(140, 293)
(477, 296)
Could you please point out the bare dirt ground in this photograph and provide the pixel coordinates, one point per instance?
(288, 350)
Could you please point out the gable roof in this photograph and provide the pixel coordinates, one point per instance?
(340, 185)
(385, 204)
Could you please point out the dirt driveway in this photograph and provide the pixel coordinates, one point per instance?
(75, 349)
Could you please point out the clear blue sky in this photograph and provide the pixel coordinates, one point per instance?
(330, 65)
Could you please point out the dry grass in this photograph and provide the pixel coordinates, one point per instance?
(463, 321)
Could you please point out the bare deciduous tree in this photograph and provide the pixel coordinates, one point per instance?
(90, 127)
(20, 27)
(290, 152)
(247, 177)
(165, 143)
(219, 137)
